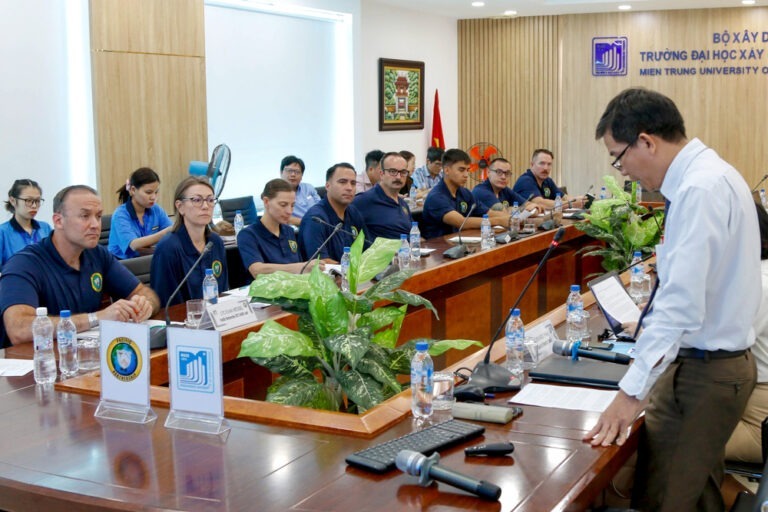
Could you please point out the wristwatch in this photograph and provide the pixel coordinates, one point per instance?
(93, 321)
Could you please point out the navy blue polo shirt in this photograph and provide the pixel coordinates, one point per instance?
(439, 202)
(485, 195)
(526, 185)
(312, 234)
(258, 245)
(175, 255)
(384, 217)
(38, 276)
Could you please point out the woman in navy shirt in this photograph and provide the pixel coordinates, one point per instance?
(138, 222)
(270, 244)
(178, 250)
(24, 200)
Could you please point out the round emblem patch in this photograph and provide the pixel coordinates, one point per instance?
(124, 359)
(216, 267)
(354, 231)
(463, 207)
(97, 282)
(547, 192)
(293, 246)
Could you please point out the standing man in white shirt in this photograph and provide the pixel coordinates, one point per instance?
(693, 372)
(292, 171)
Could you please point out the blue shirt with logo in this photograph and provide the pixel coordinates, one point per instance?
(526, 185)
(258, 245)
(126, 227)
(174, 256)
(312, 234)
(439, 202)
(485, 195)
(14, 238)
(384, 217)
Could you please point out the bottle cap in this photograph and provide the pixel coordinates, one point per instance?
(422, 345)
(346, 249)
(516, 312)
(414, 224)
(209, 272)
(403, 237)
(638, 254)
(238, 212)
(575, 288)
(41, 311)
(65, 313)
(485, 216)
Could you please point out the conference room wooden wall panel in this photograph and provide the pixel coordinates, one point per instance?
(149, 110)
(174, 27)
(468, 317)
(512, 285)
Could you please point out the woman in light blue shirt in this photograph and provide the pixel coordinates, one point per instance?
(24, 200)
(138, 223)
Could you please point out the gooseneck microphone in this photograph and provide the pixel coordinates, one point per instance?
(205, 250)
(565, 348)
(427, 469)
(354, 236)
(760, 183)
(494, 377)
(460, 250)
(336, 229)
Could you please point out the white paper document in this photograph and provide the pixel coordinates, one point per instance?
(15, 367)
(564, 397)
(615, 301)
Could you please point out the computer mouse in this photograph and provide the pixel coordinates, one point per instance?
(469, 394)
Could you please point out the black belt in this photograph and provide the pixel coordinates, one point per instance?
(697, 353)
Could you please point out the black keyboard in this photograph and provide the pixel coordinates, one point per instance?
(381, 457)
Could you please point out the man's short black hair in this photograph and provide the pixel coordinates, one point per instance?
(389, 154)
(332, 169)
(536, 152)
(435, 154)
(290, 159)
(638, 110)
(499, 159)
(373, 158)
(61, 197)
(451, 156)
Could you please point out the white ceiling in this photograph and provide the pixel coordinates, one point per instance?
(462, 9)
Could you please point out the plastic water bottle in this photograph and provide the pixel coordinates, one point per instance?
(345, 270)
(404, 253)
(515, 334)
(415, 240)
(603, 193)
(412, 196)
(217, 216)
(574, 314)
(514, 220)
(66, 338)
(210, 287)
(239, 222)
(763, 199)
(486, 233)
(422, 370)
(637, 274)
(558, 205)
(42, 334)
(638, 192)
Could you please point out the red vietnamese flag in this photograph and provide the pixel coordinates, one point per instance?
(437, 125)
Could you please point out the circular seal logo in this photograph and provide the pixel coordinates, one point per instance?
(124, 359)
(293, 246)
(216, 267)
(547, 192)
(463, 207)
(97, 282)
(354, 231)
(505, 204)
(405, 210)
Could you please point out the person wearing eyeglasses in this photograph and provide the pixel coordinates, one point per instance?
(24, 201)
(139, 222)
(494, 192)
(70, 270)
(368, 178)
(429, 174)
(193, 204)
(292, 171)
(538, 181)
(386, 214)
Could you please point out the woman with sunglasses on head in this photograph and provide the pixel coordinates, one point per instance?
(193, 204)
(139, 222)
(24, 200)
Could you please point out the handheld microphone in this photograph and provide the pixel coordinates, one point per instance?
(427, 469)
(494, 377)
(336, 229)
(460, 250)
(157, 334)
(759, 183)
(565, 348)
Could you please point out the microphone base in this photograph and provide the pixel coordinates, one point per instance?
(494, 378)
(456, 252)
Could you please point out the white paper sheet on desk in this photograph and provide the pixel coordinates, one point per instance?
(15, 367)
(564, 397)
(423, 251)
(465, 239)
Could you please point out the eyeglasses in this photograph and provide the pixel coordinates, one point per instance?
(292, 172)
(616, 164)
(198, 201)
(504, 174)
(31, 202)
(395, 172)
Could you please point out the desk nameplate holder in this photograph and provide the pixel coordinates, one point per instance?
(124, 362)
(195, 381)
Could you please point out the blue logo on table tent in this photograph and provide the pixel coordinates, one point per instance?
(195, 372)
(609, 56)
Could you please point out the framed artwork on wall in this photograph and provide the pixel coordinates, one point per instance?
(401, 95)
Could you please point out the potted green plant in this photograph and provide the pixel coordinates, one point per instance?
(623, 225)
(344, 355)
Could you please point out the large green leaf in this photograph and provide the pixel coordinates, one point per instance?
(280, 285)
(613, 187)
(355, 255)
(380, 372)
(357, 304)
(388, 284)
(352, 345)
(273, 340)
(326, 305)
(362, 389)
(400, 361)
(438, 347)
(381, 317)
(290, 366)
(303, 393)
(385, 338)
(378, 353)
(295, 306)
(376, 258)
(403, 297)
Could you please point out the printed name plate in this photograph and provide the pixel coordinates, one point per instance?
(228, 314)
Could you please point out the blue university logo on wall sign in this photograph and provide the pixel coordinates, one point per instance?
(195, 371)
(609, 56)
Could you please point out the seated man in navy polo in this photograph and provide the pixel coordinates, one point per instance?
(537, 181)
(70, 270)
(336, 207)
(386, 213)
(448, 203)
(494, 192)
